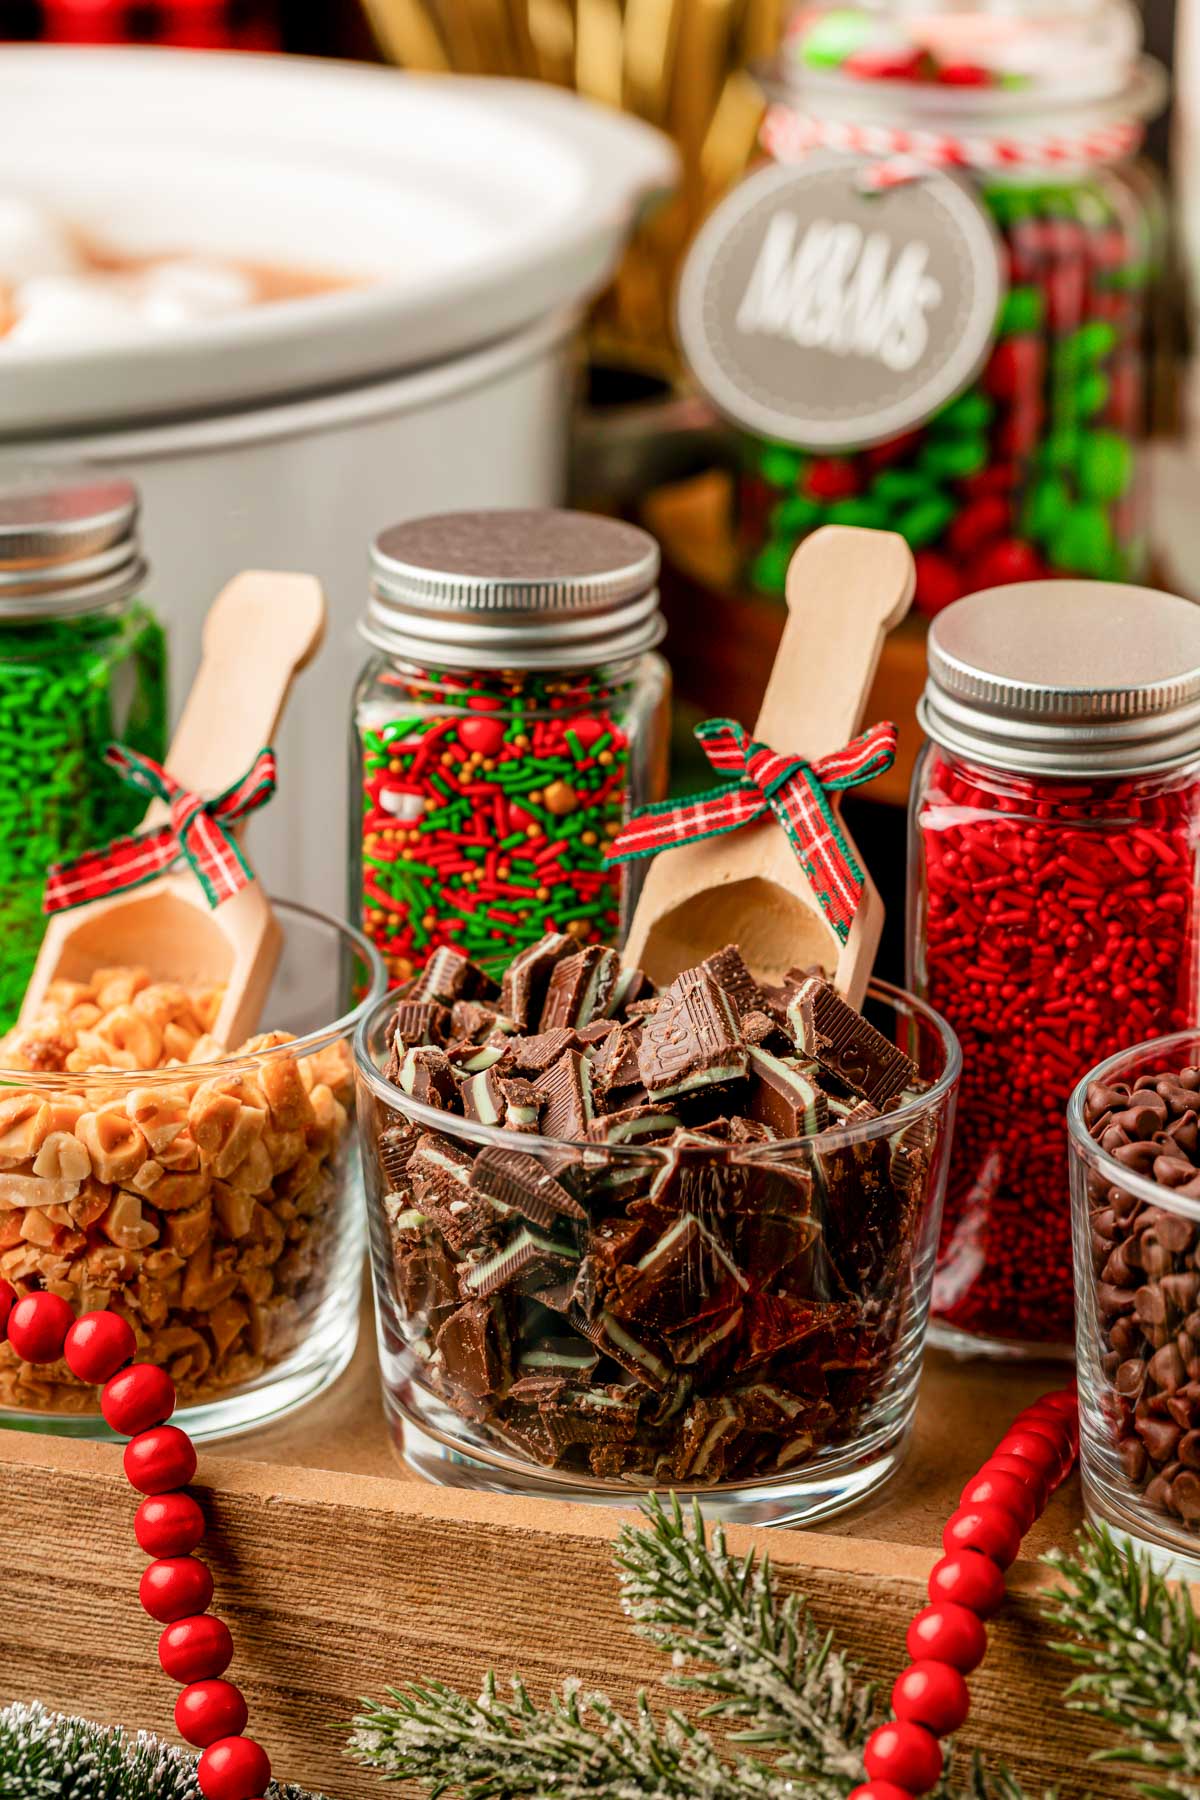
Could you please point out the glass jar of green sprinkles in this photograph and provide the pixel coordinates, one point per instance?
(82, 662)
(512, 713)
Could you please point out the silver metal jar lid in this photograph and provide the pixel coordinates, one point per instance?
(532, 589)
(1066, 678)
(68, 541)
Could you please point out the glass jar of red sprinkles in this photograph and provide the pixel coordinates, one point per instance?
(1052, 906)
(513, 711)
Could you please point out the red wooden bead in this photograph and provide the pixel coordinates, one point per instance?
(947, 1633)
(168, 1524)
(38, 1326)
(904, 1753)
(160, 1459)
(234, 1768)
(992, 1487)
(98, 1345)
(196, 1649)
(1034, 1479)
(968, 1579)
(880, 1790)
(8, 1299)
(986, 1528)
(175, 1587)
(932, 1694)
(1064, 1400)
(1035, 1448)
(208, 1710)
(138, 1398)
(1063, 1429)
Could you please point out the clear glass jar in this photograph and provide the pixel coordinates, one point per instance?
(1054, 897)
(1135, 1195)
(765, 1344)
(213, 1197)
(1036, 467)
(82, 662)
(512, 715)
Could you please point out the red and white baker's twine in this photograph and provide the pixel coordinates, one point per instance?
(789, 136)
(903, 1758)
(176, 1589)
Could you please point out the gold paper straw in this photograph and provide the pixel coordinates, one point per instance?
(733, 131)
(651, 33)
(406, 34)
(599, 50)
(552, 29)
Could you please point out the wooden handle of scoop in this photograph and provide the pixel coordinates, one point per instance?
(261, 629)
(846, 588)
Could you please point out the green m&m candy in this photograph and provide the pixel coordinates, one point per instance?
(859, 511)
(925, 522)
(897, 487)
(768, 571)
(1105, 465)
(971, 412)
(795, 515)
(831, 39)
(1022, 311)
(1046, 506)
(1083, 543)
(955, 457)
(780, 466)
(1091, 396)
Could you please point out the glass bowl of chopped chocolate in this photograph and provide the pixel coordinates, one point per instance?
(1134, 1130)
(628, 1238)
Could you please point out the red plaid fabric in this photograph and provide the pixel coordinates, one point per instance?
(796, 792)
(198, 833)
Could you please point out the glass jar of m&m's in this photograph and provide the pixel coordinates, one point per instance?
(512, 713)
(1032, 467)
(1053, 905)
(82, 662)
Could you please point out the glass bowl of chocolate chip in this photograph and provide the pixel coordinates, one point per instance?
(629, 1238)
(1134, 1130)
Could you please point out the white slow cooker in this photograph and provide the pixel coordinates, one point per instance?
(479, 217)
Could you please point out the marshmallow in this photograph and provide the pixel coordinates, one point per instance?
(186, 290)
(58, 312)
(32, 242)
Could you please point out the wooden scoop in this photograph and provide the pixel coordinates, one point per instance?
(846, 588)
(260, 630)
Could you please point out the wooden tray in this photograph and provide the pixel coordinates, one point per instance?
(340, 1574)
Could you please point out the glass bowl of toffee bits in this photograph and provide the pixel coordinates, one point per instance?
(1134, 1125)
(628, 1238)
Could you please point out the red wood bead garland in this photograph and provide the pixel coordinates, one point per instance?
(168, 1525)
(99, 1344)
(208, 1710)
(138, 1398)
(160, 1459)
(38, 1326)
(947, 1640)
(234, 1768)
(196, 1649)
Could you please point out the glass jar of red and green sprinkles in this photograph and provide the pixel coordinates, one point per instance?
(1034, 468)
(513, 711)
(82, 662)
(1053, 907)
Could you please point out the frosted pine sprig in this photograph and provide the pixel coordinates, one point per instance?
(47, 1756)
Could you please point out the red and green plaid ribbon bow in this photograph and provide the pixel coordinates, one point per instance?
(197, 832)
(797, 792)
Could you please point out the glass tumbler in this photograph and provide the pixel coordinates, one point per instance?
(214, 1203)
(1137, 1321)
(588, 1320)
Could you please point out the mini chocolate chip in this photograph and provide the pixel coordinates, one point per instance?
(1160, 1436)
(1138, 1157)
(1101, 1099)
(1172, 1171)
(1125, 1337)
(1181, 1290)
(1134, 1460)
(1131, 1377)
(1185, 1496)
(1150, 1305)
(1118, 1270)
(1189, 1450)
(1176, 1232)
(1113, 1301)
(1167, 1368)
(1158, 1493)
